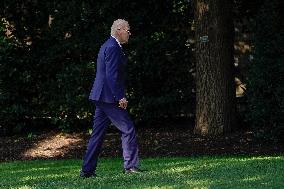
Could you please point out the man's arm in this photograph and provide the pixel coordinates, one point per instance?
(113, 61)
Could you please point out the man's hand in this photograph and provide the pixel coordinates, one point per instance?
(123, 103)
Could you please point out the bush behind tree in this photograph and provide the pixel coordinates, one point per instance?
(265, 78)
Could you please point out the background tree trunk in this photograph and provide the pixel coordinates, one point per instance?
(215, 109)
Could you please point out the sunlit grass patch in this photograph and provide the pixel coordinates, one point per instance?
(192, 172)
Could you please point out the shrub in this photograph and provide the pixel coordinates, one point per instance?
(266, 72)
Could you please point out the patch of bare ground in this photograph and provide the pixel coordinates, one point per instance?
(152, 143)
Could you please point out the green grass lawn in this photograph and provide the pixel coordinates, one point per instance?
(192, 172)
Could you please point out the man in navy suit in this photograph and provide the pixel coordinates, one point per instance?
(108, 94)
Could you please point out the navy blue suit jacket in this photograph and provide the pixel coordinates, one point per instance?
(109, 85)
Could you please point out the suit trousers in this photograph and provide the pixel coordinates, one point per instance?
(106, 113)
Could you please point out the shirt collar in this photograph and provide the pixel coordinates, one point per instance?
(117, 41)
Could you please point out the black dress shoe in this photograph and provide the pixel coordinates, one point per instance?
(133, 170)
(87, 175)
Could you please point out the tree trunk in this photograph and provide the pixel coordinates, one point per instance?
(215, 107)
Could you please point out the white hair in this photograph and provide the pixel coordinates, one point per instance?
(117, 24)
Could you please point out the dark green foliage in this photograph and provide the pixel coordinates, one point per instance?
(48, 65)
(265, 79)
(8, 112)
(47, 68)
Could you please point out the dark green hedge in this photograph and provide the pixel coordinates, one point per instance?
(47, 70)
(266, 73)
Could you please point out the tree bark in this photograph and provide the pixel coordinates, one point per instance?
(215, 107)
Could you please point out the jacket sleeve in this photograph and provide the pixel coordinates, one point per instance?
(113, 72)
